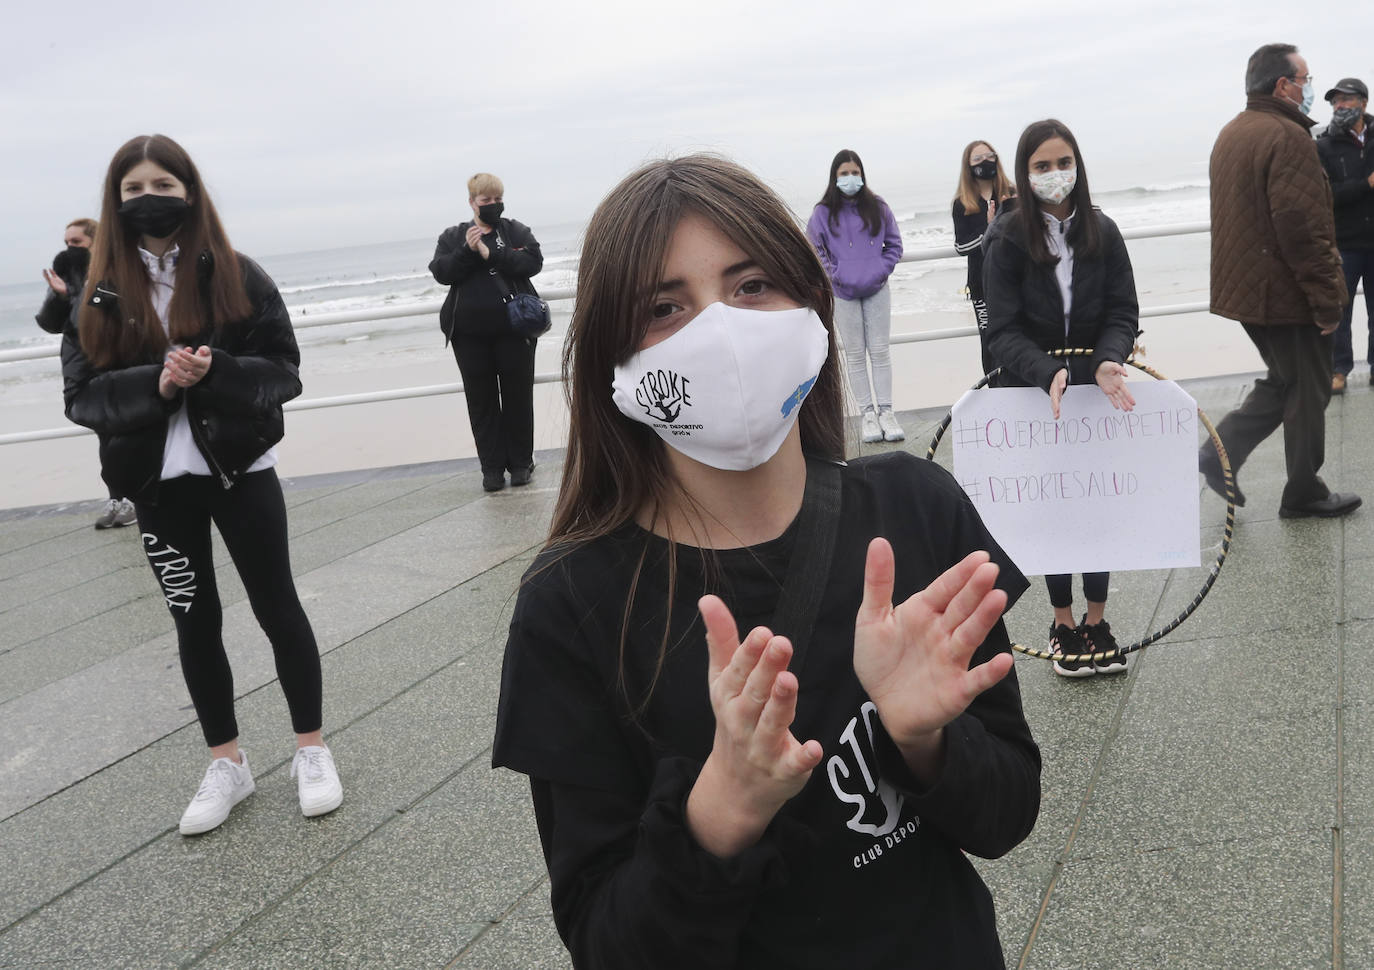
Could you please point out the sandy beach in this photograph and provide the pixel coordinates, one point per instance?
(926, 374)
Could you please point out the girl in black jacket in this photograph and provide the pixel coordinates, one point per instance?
(1057, 276)
(182, 357)
(984, 191)
(483, 262)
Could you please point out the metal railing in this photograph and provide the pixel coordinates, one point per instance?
(302, 319)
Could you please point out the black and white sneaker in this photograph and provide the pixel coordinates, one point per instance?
(1099, 639)
(1065, 641)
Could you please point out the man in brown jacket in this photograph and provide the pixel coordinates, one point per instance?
(1276, 269)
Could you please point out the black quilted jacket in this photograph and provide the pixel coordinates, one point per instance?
(1349, 164)
(235, 410)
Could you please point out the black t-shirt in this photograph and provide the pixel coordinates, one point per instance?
(864, 867)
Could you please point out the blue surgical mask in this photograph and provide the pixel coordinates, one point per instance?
(849, 184)
(1308, 96)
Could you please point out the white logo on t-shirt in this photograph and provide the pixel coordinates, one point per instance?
(877, 799)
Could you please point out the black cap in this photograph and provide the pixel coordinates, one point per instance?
(1349, 85)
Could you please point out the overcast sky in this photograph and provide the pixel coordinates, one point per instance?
(321, 125)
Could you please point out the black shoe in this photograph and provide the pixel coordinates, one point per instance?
(1210, 465)
(522, 476)
(1098, 637)
(1064, 640)
(493, 481)
(1335, 504)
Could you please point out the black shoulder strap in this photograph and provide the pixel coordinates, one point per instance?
(808, 570)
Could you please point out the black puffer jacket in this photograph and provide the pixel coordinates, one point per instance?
(1026, 310)
(1349, 164)
(56, 311)
(235, 410)
(475, 303)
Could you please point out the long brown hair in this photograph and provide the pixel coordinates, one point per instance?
(967, 194)
(1084, 236)
(614, 466)
(870, 206)
(130, 333)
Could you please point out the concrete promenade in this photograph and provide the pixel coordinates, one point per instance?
(1212, 808)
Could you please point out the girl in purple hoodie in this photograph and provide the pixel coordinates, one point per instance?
(856, 235)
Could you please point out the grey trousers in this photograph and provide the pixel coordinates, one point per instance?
(864, 327)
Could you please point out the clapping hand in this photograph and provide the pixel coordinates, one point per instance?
(182, 368)
(913, 659)
(474, 241)
(58, 285)
(756, 764)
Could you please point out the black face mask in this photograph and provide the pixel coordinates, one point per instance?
(72, 261)
(984, 170)
(157, 216)
(490, 214)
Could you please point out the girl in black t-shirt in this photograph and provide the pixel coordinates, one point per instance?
(704, 798)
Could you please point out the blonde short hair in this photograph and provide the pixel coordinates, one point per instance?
(484, 183)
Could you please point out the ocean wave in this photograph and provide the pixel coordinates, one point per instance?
(341, 284)
(1160, 189)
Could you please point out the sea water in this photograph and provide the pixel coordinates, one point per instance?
(385, 274)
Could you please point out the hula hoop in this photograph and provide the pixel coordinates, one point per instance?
(1212, 574)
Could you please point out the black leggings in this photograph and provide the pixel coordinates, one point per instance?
(1061, 589)
(251, 517)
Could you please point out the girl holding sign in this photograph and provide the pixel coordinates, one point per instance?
(1056, 276)
(741, 752)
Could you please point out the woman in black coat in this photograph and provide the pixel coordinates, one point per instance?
(483, 262)
(181, 359)
(1056, 275)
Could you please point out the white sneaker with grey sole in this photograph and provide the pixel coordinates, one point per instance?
(871, 431)
(887, 421)
(317, 781)
(225, 785)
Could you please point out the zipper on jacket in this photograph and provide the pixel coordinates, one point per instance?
(205, 449)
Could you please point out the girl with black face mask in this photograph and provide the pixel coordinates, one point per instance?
(484, 262)
(984, 191)
(182, 357)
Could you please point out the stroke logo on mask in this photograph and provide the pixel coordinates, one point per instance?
(750, 372)
(662, 394)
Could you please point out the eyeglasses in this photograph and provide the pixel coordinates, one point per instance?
(987, 157)
(1300, 80)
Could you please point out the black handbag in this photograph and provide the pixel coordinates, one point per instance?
(529, 315)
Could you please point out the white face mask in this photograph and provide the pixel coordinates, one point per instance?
(726, 389)
(849, 184)
(1053, 187)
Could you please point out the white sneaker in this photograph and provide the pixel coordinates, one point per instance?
(887, 421)
(225, 785)
(871, 431)
(126, 514)
(317, 781)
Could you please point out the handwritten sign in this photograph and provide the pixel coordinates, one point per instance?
(1099, 489)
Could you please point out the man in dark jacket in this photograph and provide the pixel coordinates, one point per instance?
(1348, 158)
(66, 280)
(1275, 268)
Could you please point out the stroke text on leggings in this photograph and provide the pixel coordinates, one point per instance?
(174, 572)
